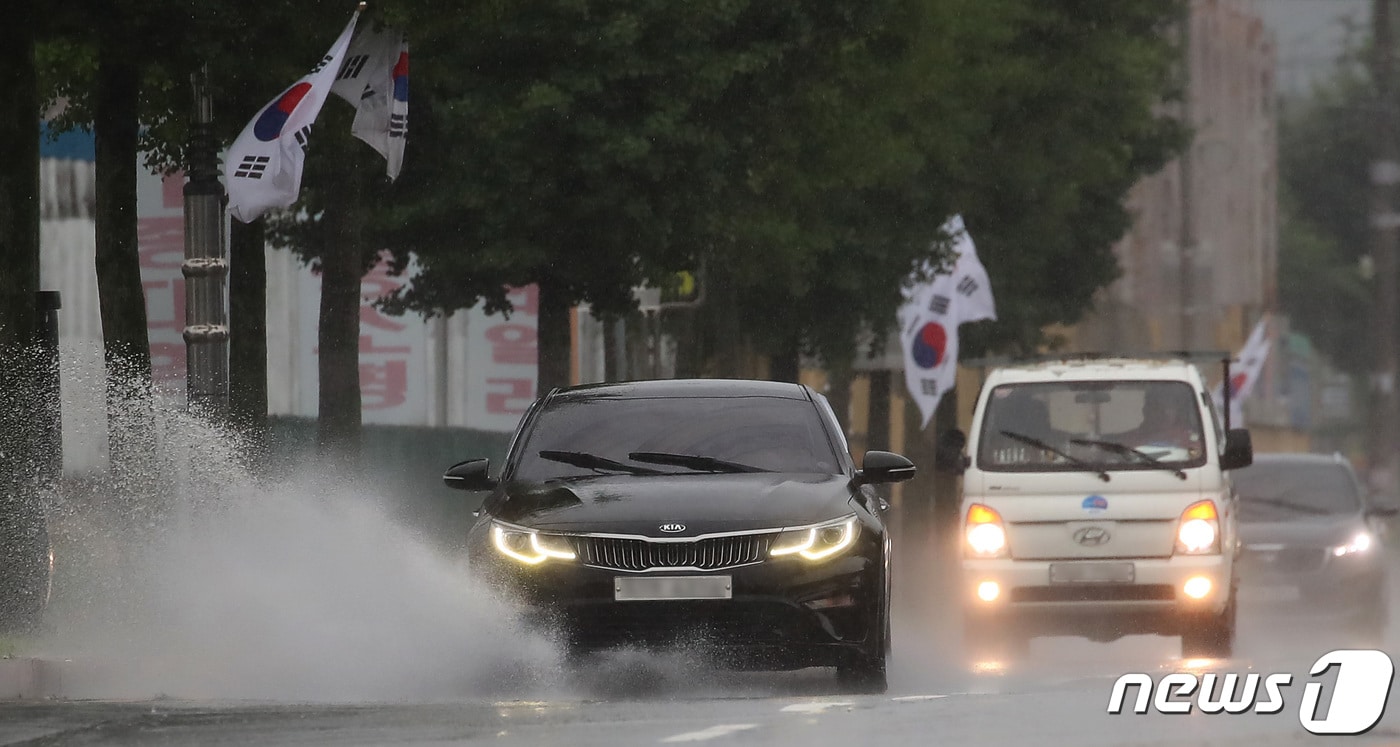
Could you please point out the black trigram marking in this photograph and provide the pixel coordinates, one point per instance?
(967, 286)
(398, 125)
(369, 93)
(320, 65)
(929, 387)
(939, 304)
(303, 136)
(251, 167)
(353, 67)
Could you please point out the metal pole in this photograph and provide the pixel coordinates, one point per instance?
(206, 267)
(1385, 232)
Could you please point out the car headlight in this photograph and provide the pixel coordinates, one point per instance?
(528, 546)
(1358, 544)
(817, 542)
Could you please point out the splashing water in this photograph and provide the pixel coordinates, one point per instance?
(186, 572)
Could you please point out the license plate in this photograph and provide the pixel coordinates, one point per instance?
(646, 588)
(1091, 573)
(1269, 594)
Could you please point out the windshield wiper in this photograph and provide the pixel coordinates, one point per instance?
(693, 461)
(1116, 447)
(595, 462)
(1281, 503)
(1076, 461)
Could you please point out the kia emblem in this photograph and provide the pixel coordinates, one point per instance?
(672, 528)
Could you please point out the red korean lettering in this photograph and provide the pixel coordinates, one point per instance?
(513, 401)
(367, 347)
(161, 242)
(513, 344)
(383, 385)
(525, 300)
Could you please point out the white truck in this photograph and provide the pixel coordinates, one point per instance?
(1096, 502)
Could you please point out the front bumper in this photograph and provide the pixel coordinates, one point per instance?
(1153, 602)
(784, 613)
(1300, 588)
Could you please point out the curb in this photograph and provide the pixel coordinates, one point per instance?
(30, 679)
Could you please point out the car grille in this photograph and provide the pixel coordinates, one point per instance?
(711, 553)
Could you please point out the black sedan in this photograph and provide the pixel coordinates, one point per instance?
(1312, 546)
(721, 516)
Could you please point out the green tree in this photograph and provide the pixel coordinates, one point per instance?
(1325, 147)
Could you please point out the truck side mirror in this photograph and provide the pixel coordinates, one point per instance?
(948, 455)
(1239, 449)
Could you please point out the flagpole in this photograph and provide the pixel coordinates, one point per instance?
(205, 267)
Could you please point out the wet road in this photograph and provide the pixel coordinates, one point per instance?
(1056, 696)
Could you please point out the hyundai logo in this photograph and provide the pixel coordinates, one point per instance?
(1092, 536)
(672, 528)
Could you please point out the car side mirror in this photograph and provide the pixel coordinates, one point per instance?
(1239, 449)
(469, 475)
(880, 467)
(948, 455)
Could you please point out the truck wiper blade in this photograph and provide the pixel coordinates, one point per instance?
(1116, 447)
(1076, 461)
(693, 461)
(593, 461)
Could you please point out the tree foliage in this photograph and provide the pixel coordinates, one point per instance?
(1325, 148)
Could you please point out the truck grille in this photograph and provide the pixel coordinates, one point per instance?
(711, 553)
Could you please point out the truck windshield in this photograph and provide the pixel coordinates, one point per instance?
(1071, 426)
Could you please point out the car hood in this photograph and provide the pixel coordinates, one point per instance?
(1314, 531)
(701, 503)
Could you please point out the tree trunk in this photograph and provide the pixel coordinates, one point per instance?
(248, 331)
(786, 364)
(342, 268)
(23, 540)
(121, 299)
(555, 339)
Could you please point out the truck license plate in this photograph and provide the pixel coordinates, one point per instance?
(1091, 573)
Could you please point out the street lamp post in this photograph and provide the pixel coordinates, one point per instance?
(205, 267)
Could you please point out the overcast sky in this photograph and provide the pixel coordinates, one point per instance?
(1310, 34)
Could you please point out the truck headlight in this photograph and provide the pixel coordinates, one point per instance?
(985, 532)
(1198, 532)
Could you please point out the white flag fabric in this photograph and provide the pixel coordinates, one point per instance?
(374, 80)
(263, 167)
(930, 316)
(1245, 371)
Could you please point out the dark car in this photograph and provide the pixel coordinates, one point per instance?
(721, 515)
(1312, 544)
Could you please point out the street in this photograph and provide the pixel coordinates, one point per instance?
(1058, 695)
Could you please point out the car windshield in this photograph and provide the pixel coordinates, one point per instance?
(1288, 491)
(1093, 425)
(583, 436)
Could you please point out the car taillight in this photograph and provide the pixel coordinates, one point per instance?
(985, 532)
(1198, 532)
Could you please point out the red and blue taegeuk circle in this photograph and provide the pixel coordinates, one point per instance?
(401, 78)
(929, 345)
(274, 117)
